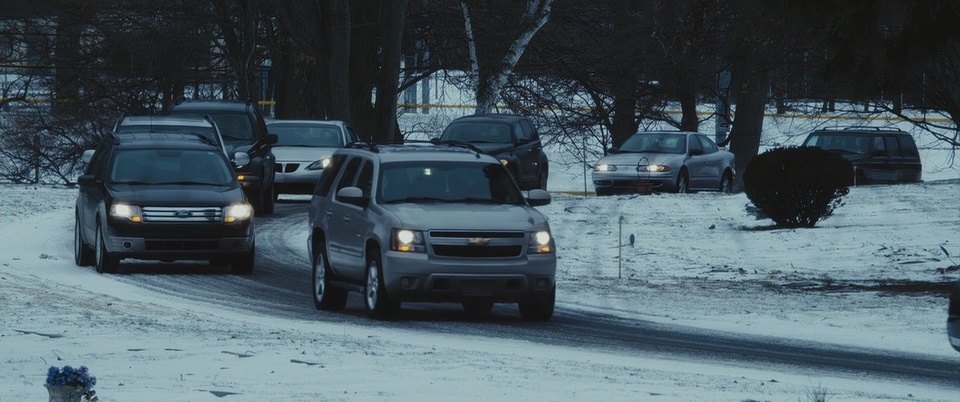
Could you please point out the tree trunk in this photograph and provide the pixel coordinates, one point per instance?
(385, 109)
(624, 119)
(748, 123)
(336, 29)
(66, 55)
(688, 106)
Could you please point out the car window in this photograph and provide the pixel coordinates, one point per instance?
(478, 132)
(307, 135)
(531, 132)
(892, 147)
(695, 144)
(328, 175)
(445, 182)
(526, 131)
(846, 143)
(170, 166)
(97, 164)
(365, 178)
(878, 145)
(708, 146)
(233, 126)
(349, 173)
(907, 146)
(663, 143)
(353, 135)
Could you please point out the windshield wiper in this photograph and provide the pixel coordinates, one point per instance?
(479, 200)
(417, 199)
(188, 183)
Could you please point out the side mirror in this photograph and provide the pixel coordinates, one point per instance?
(87, 180)
(523, 141)
(270, 139)
(87, 156)
(241, 159)
(696, 152)
(538, 198)
(613, 150)
(352, 195)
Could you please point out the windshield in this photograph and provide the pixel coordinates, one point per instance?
(205, 132)
(233, 126)
(468, 182)
(855, 144)
(307, 135)
(656, 143)
(478, 132)
(170, 166)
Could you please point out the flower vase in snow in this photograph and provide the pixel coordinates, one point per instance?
(64, 393)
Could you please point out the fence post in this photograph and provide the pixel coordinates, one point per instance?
(36, 158)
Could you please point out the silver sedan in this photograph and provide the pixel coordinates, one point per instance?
(664, 161)
(303, 150)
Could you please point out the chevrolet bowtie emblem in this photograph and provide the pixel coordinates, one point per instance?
(478, 241)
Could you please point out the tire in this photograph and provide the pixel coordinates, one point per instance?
(268, 197)
(726, 183)
(542, 182)
(106, 262)
(325, 296)
(378, 302)
(243, 264)
(83, 255)
(538, 307)
(477, 307)
(683, 183)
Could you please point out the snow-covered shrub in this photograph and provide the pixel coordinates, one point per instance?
(797, 186)
(71, 377)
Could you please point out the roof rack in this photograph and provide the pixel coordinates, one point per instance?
(875, 128)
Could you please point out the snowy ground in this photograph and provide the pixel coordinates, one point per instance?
(874, 275)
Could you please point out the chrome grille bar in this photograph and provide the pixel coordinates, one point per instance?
(183, 214)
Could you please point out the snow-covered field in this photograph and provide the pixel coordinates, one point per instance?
(872, 276)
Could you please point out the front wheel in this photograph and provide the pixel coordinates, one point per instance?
(83, 255)
(378, 301)
(325, 297)
(106, 262)
(683, 183)
(539, 307)
(243, 264)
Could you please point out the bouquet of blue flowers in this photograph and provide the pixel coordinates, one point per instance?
(71, 377)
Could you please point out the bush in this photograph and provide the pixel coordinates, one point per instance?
(797, 186)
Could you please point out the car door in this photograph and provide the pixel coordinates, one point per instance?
(354, 224)
(713, 162)
(528, 152)
(339, 217)
(93, 195)
(695, 163)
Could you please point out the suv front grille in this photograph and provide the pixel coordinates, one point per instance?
(181, 245)
(470, 235)
(446, 250)
(183, 214)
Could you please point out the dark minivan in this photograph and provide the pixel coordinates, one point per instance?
(878, 155)
(511, 139)
(161, 196)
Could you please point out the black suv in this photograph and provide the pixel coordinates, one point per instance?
(511, 139)
(162, 196)
(243, 130)
(878, 155)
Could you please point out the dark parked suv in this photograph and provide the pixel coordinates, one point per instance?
(161, 196)
(243, 130)
(405, 223)
(878, 155)
(511, 139)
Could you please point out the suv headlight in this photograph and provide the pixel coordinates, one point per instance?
(319, 165)
(237, 212)
(408, 241)
(540, 243)
(129, 212)
(603, 167)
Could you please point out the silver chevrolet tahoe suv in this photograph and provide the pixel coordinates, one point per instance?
(428, 223)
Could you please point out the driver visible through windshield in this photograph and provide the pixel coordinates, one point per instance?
(447, 182)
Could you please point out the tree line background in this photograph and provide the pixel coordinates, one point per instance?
(600, 69)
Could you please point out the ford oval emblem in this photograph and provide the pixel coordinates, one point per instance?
(183, 213)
